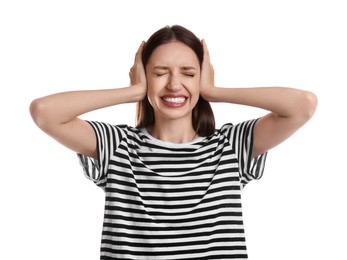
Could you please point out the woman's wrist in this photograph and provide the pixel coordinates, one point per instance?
(211, 94)
(138, 92)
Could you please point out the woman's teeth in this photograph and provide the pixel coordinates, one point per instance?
(174, 100)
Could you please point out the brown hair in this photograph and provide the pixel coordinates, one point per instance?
(202, 119)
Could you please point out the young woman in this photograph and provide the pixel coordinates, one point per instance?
(173, 183)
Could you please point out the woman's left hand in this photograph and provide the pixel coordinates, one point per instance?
(207, 75)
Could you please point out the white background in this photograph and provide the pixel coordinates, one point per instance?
(49, 210)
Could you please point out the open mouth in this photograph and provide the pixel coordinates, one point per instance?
(175, 100)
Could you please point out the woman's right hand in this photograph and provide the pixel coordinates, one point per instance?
(137, 73)
(58, 114)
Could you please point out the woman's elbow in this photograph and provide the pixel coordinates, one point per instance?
(37, 112)
(311, 102)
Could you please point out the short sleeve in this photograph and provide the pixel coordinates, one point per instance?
(241, 138)
(108, 138)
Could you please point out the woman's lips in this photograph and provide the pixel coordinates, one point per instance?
(174, 101)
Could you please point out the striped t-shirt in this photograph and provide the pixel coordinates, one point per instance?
(173, 201)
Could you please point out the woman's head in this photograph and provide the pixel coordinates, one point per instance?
(169, 34)
(202, 114)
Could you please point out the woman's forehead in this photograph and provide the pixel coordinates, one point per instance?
(173, 53)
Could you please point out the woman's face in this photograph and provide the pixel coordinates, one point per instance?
(173, 81)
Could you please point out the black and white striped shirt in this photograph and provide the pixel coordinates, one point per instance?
(173, 201)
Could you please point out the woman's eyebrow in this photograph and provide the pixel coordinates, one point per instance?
(159, 67)
(188, 68)
(162, 67)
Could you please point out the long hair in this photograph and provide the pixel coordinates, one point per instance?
(202, 117)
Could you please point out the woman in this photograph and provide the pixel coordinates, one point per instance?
(173, 183)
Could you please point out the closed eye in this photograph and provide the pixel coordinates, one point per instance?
(159, 74)
(159, 71)
(188, 71)
(189, 74)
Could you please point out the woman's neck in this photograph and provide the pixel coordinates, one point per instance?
(174, 131)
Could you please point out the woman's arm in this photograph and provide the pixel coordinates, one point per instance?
(57, 114)
(289, 108)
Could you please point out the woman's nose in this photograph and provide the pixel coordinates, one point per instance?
(174, 83)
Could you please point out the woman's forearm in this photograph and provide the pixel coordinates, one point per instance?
(65, 106)
(279, 100)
